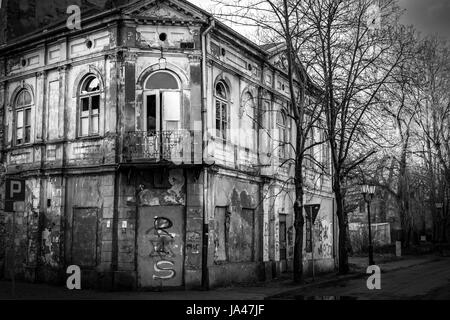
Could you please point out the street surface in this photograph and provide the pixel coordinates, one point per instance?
(422, 277)
(425, 281)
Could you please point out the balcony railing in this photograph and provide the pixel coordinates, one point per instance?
(177, 146)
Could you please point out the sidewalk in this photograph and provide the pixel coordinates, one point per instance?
(256, 291)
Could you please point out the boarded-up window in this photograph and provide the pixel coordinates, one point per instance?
(283, 239)
(241, 242)
(220, 239)
(84, 237)
(53, 109)
(234, 235)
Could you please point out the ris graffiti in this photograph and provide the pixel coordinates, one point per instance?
(161, 247)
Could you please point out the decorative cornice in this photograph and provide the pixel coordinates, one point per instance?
(40, 74)
(193, 58)
(64, 68)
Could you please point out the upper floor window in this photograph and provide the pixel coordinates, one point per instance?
(249, 121)
(89, 115)
(163, 102)
(22, 109)
(282, 134)
(222, 110)
(326, 154)
(309, 152)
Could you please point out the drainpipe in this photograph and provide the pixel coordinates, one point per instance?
(205, 276)
(334, 232)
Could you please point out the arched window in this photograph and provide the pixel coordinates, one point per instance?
(162, 98)
(282, 134)
(161, 80)
(222, 110)
(89, 114)
(22, 109)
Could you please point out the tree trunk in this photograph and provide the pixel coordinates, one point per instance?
(299, 220)
(298, 244)
(343, 228)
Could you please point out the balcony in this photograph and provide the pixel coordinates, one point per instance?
(176, 146)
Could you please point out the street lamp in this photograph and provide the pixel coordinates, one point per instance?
(368, 192)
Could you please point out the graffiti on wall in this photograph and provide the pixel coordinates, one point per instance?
(277, 239)
(266, 238)
(290, 241)
(161, 244)
(324, 236)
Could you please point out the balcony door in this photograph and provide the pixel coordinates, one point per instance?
(162, 103)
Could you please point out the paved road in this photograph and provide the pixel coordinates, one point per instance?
(425, 281)
(424, 277)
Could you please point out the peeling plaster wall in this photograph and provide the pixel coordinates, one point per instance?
(51, 231)
(277, 201)
(241, 264)
(91, 191)
(323, 238)
(140, 189)
(26, 239)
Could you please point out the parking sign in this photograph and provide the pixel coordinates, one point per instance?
(15, 192)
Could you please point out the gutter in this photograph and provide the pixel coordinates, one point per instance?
(205, 275)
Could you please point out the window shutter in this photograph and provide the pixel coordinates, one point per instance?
(171, 105)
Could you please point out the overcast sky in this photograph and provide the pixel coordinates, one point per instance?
(428, 16)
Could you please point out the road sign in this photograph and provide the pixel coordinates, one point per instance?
(15, 191)
(311, 211)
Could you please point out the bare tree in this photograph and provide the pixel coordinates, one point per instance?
(350, 57)
(279, 21)
(402, 102)
(433, 119)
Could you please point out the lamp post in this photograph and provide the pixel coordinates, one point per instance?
(368, 192)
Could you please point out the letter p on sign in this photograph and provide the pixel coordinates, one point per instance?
(16, 187)
(15, 192)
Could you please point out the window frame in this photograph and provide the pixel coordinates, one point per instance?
(23, 108)
(309, 153)
(89, 95)
(284, 128)
(252, 115)
(224, 104)
(161, 119)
